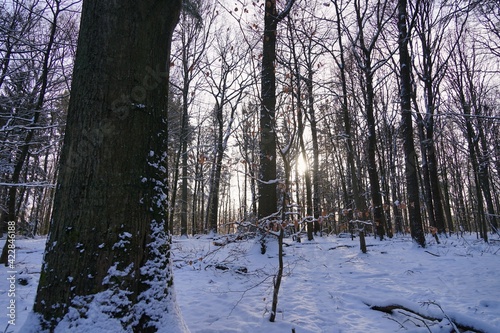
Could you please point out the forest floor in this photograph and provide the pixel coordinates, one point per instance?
(329, 285)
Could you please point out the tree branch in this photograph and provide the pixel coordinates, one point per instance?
(460, 321)
(285, 11)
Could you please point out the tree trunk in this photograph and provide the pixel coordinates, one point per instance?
(426, 182)
(267, 185)
(279, 276)
(213, 202)
(184, 136)
(407, 128)
(378, 212)
(475, 169)
(314, 136)
(447, 200)
(430, 33)
(198, 181)
(359, 203)
(23, 154)
(300, 129)
(184, 167)
(484, 176)
(268, 199)
(365, 63)
(109, 247)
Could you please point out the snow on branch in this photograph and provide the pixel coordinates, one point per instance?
(33, 184)
(458, 321)
(285, 11)
(270, 182)
(361, 222)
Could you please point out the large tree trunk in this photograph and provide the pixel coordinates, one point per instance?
(108, 248)
(268, 198)
(407, 128)
(267, 186)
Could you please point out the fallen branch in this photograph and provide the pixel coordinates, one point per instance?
(339, 246)
(435, 255)
(460, 321)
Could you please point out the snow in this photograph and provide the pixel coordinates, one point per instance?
(123, 240)
(328, 286)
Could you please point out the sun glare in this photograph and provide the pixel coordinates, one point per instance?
(301, 165)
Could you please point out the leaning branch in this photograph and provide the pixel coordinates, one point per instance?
(33, 184)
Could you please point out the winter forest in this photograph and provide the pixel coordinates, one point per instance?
(129, 127)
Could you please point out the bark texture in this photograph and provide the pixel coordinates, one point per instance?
(108, 242)
(411, 174)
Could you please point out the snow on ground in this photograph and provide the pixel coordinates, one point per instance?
(327, 285)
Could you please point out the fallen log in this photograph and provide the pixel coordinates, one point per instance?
(462, 322)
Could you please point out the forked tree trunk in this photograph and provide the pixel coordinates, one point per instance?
(108, 248)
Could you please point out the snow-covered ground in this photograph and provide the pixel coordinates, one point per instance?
(328, 285)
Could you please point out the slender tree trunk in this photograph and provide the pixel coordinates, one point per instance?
(426, 182)
(446, 199)
(198, 181)
(342, 172)
(365, 63)
(24, 149)
(284, 202)
(395, 187)
(484, 176)
(430, 81)
(300, 125)
(213, 203)
(411, 163)
(458, 185)
(435, 182)
(314, 136)
(378, 213)
(108, 249)
(359, 202)
(184, 177)
(279, 276)
(475, 170)
(174, 185)
(184, 136)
